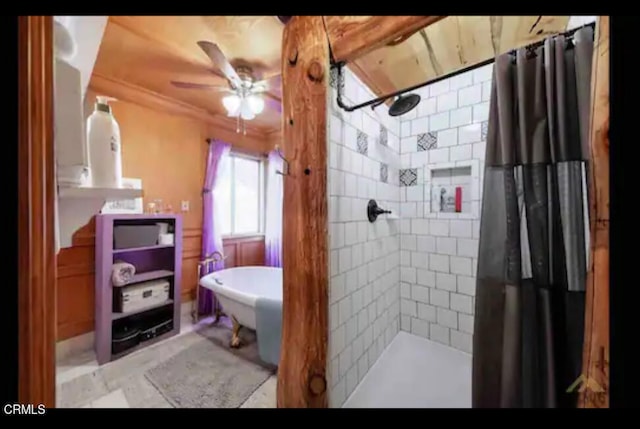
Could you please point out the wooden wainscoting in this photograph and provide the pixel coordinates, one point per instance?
(76, 279)
(75, 297)
(243, 251)
(191, 248)
(240, 251)
(76, 274)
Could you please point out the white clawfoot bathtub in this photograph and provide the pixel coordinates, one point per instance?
(238, 288)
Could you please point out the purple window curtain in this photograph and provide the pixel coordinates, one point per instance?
(273, 227)
(211, 230)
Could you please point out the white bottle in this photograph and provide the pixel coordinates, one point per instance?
(103, 140)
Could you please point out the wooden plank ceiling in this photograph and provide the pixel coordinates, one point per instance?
(450, 44)
(151, 51)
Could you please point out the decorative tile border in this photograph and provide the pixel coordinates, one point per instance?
(409, 177)
(427, 141)
(384, 136)
(363, 143)
(384, 172)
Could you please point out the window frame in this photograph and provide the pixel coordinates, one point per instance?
(262, 189)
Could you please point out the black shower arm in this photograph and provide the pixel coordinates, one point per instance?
(373, 103)
(378, 101)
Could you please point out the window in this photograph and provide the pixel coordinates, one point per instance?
(240, 192)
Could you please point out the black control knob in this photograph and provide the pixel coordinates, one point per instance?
(373, 211)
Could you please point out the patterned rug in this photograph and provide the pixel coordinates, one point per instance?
(208, 375)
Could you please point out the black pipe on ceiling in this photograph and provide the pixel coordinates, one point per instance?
(378, 101)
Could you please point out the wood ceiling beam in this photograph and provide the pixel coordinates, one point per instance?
(351, 37)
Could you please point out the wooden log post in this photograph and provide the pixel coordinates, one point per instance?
(305, 68)
(596, 344)
(302, 378)
(36, 187)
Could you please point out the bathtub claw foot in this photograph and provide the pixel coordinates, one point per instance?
(235, 337)
(235, 341)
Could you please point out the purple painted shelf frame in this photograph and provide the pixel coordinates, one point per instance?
(164, 262)
(137, 249)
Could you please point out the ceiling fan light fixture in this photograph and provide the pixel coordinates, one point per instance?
(256, 104)
(246, 112)
(232, 104)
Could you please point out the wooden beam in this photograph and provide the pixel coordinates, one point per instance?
(596, 344)
(351, 37)
(36, 190)
(305, 65)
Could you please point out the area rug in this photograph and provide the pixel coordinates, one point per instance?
(205, 375)
(220, 335)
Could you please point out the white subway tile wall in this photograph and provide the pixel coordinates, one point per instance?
(364, 289)
(415, 272)
(439, 258)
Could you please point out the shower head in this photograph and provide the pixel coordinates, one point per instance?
(404, 104)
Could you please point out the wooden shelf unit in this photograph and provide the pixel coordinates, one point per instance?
(152, 263)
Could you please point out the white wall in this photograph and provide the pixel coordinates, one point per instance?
(415, 273)
(439, 250)
(580, 20)
(365, 259)
(86, 33)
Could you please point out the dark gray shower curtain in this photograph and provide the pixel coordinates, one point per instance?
(532, 262)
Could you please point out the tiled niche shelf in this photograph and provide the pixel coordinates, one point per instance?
(441, 182)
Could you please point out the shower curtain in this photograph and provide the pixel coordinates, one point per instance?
(211, 229)
(534, 232)
(273, 227)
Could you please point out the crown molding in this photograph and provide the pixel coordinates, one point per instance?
(135, 94)
(273, 139)
(273, 135)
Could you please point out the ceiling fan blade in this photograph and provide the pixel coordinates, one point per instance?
(220, 61)
(191, 85)
(270, 83)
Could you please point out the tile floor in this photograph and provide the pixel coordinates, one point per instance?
(82, 383)
(414, 372)
(431, 376)
(74, 364)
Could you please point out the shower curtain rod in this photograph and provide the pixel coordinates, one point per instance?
(378, 101)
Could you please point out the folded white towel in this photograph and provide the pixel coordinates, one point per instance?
(122, 273)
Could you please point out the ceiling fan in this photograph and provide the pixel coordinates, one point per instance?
(247, 97)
